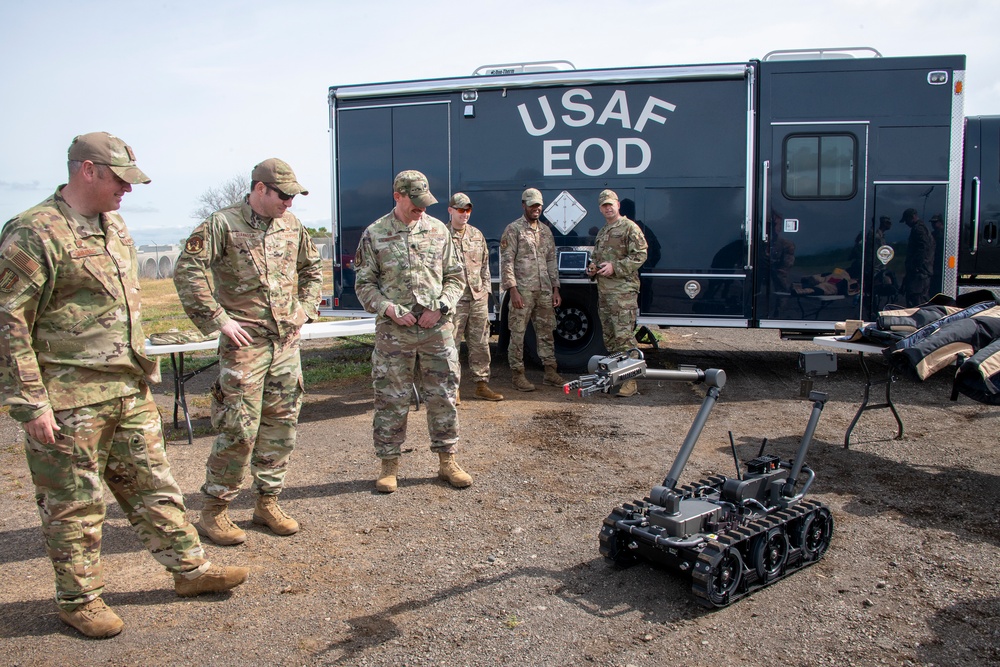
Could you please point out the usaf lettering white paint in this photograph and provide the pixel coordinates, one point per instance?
(581, 156)
(550, 120)
(570, 105)
(551, 155)
(619, 101)
(556, 152)
(647, 156)
(647, 113)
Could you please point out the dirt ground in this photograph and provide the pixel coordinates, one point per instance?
(507, 572)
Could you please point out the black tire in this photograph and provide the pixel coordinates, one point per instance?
(815, 534)
(770, 553)
(503, 334)
(577, 336)
(725, 578)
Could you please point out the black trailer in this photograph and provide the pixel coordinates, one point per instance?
(786, 193)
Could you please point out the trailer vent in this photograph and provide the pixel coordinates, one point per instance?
(525, 68)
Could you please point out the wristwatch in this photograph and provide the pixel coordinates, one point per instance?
(444, 309)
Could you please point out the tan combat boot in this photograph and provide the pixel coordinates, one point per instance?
(484, 392)
(628, 388)
(458, 397)
(386, 482)
(520, 382)
(269, 513)
(450, 472)
(552, 377)
(216, 579)
(93, 619)
(216, 525)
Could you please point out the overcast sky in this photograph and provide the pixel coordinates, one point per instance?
(204, 90)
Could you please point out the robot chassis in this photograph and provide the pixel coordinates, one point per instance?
(732, 535)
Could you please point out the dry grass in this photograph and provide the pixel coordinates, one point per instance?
(344, 358)
(161, 307)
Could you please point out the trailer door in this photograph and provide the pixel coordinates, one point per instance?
(374, 142)
(980, 243)
(812, 228)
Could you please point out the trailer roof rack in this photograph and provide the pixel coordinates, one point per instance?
(833, 53)
(516, 68)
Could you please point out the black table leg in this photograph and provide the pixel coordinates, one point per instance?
(180, 397)
(889, 379)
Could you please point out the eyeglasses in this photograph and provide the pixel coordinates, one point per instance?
(281, 195)
(463, 210)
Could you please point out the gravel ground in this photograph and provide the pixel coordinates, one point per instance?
(507, 572)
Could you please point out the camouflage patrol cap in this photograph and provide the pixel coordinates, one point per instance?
(414, 185)
(531, 196)
(606, 196)
(109, 150)
(273, 171)
(460, 200)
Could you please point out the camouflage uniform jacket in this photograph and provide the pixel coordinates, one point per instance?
(528, 258)
(267, 273)
(406, 266)
(476, 258)
(623, 244)
(70, 329)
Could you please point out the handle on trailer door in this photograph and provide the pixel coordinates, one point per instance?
(975, 215)
(765, 214)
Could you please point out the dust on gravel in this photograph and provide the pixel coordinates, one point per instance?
(507, 572)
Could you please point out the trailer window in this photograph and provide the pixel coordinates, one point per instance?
(819, 166)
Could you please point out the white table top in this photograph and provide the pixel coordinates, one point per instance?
(835, 343)
(310, 331)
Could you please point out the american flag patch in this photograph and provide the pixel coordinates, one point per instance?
(21, 260)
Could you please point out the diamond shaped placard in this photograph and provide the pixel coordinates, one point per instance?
(565, 212)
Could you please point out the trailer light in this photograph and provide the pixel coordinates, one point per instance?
(958, 87)
(470, 95)
(937, 78)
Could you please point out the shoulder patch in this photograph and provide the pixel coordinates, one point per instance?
(194, 245)
(503, 243)
(21, 260)
(8, 280)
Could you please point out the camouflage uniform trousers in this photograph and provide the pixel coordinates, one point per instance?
(121, 442)
(472, 321)
(397, 351)
(618, 314)
(255, 408)
(539, 310)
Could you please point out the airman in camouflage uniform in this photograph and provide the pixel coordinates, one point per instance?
(267, 276)
(619, 251)
(73, 370)
(472, 314)
(528, 271)
(409, 274)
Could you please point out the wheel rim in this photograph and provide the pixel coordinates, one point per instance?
(573, 325)
(770, 554)
(816, 534)
(726, 576)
